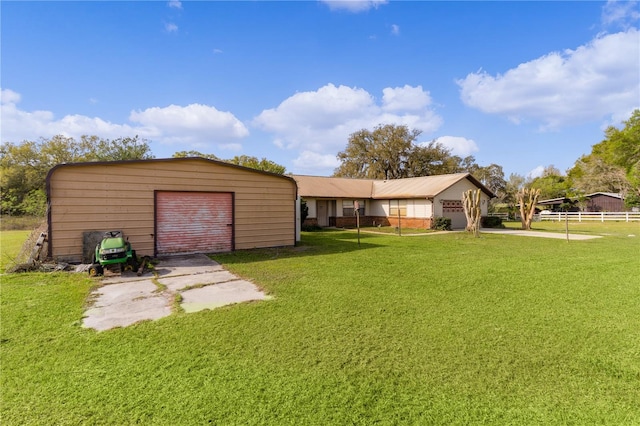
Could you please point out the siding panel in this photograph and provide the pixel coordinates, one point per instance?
(120, 195)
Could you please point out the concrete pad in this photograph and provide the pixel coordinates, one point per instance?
(186, 264)
(125, 299)
(214, 296)
(176, 283)
(125, 277)
(120, 305)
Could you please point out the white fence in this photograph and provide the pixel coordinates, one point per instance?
(591, 216)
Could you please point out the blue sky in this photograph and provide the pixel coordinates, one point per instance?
(520, 84)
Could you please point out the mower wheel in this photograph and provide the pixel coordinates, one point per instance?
(134, 261)
(95, 270)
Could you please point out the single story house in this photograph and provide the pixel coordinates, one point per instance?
(409, 202)
(169, 206)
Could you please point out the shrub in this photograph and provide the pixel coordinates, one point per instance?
(491, 222)
(443, 224)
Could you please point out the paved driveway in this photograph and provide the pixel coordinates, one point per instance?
(122, 300)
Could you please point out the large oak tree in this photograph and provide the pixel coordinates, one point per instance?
(390, 152)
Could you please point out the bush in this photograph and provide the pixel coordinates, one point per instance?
(311, 228)
(491, 222)
(443, 224)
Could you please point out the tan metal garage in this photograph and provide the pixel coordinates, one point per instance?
(164, 206)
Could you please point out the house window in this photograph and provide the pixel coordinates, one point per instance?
(395, 205)
(348, 209)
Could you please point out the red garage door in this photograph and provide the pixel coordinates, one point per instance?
(453, 209)
(194, 222)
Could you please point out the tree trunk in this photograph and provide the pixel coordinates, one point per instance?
(528, 199)
(472, 211)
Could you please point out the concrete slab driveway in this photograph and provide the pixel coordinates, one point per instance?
(201, 282)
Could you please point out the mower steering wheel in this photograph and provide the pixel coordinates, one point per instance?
(113, 234)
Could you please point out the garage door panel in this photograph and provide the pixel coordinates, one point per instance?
(454, 210)
(188, 222)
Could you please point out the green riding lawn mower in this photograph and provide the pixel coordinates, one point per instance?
(114, 253)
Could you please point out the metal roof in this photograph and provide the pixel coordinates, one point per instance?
(331, 187)
(608, 194)
(418, 187)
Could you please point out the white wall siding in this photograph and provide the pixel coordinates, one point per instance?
(455, 193)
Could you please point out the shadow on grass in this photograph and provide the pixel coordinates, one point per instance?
(317, 243)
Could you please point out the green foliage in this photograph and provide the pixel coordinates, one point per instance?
(613, 164)
(632, 200)
(118, 149)
(442, 224)
(34, 204)
(254, 163)
(492, 176)
(436, 329)
(390, 152)
(491, 222)
(592, 173)
(551, 184)
(239, 160)
(187, 154)
(304, 210)
(379, 154)
(24, 166)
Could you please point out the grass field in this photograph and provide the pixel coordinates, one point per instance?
(10, 245)
(434, 329)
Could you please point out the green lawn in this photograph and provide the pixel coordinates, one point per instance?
(435, 329)
(10, 245)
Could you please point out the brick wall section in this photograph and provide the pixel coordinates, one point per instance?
(350, 222)
(411, 222)
(312, 221)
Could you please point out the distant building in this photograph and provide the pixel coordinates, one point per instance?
(596, 202)
(605, 202)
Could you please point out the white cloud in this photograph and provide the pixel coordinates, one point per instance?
(622, 13)
(19, 125)
(535, 173)
(321, 121)
(353, 5)
(189, 127)
(395, 29)
(175, 4)
(598, 80)
(191, 123)
(313, 162)
(405, 98)
(457, 145)
(171, 28)
(8, 96)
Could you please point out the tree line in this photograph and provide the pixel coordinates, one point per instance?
(390, 152)
(386, 152)
(25, 166)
